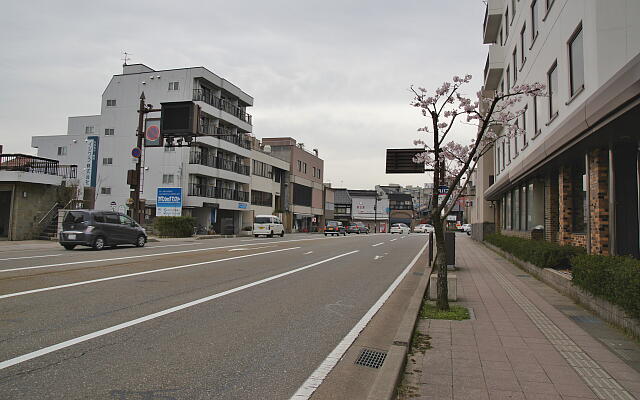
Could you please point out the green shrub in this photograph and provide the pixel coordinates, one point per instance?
(174, 226)
(538, 252)
(616, 279)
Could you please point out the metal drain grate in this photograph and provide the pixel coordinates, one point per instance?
(523, 276)
(371, 358)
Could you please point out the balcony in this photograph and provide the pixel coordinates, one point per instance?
(215, 192)
(210, 160)
(492, 20)
(239, 139)
(494, 67)
(36, 165)
(222, 104)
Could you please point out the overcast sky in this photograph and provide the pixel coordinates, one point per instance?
(334, 75)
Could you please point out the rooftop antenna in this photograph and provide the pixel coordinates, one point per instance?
(126, 57)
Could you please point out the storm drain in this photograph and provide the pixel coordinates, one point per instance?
(371, 358)
(584, 318)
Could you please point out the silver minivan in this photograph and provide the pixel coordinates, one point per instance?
(267, 225)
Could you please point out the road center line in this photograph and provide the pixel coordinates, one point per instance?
(156, 254)
(102, 332)
(5, 296)
(311, 384)
(250, 248)
(28, 257)
(375, 245)
(393, 240)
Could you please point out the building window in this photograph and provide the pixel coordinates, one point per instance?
(514, 57)
(507, 212)
(304, 167)
(319, 174)
(278, 175)
(497, 160)
(109, 132)
(105, 190)
(261, 198)
(523, 208)
(534, 20)
(501, 37)
(515, 138)
(262, 169)
(107, 161)
(576, 62)
(529, 222)
(167, 178)
(174, 85)
(552, 85)
(522, 45)
(503, 153)
(111, 103)
(62, 150)
(168, 149)
(299, 166)
(88, 130)
(314, 172)
(579, 198)
(508, 150)
(515, 217)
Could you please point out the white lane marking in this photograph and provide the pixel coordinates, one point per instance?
(4, 296)
(28, 257)
(317, 377)
(250, 248)
(378, 257)
(393, 240)
(308, 252)
(375, 245)
(154, 255)
(102, 332)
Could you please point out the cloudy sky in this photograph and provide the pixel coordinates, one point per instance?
(334, 75)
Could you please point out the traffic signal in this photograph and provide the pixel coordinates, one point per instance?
(179, 119)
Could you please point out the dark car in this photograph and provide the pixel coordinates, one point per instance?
(98, 229)
(357, 227)
(334, 228)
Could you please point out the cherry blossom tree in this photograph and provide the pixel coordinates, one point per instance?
(495, 115)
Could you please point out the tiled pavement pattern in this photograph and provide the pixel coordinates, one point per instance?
(519, 346)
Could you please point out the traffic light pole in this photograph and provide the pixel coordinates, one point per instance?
(140, 135)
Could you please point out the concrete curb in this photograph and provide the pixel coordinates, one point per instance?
(390, 374)
(601, 307)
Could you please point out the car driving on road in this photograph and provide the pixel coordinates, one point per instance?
(357, 227)
(399, 228)
(98, 229)
(334, 228)
(424, 228)
(267, 225)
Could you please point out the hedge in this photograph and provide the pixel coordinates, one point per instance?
(613, 278)
(174, 226)
(540, 253)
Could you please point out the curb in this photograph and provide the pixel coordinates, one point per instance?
(390, 374)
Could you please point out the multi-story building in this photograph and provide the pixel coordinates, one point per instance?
(214, 174)
(329, 203)
(573, 177)
(269, 177)
(304, 195)
(370, 209)
(342, 204)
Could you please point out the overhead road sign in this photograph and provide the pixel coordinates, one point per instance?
(400, 161)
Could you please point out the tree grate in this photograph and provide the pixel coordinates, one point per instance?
(371, 358)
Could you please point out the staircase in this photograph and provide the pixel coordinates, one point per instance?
(50, 231)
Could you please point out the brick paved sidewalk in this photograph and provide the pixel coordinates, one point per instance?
(526, 342)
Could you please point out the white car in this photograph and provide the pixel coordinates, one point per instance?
(466, 228)
(399, 228)
(424, 228)
(267, 225)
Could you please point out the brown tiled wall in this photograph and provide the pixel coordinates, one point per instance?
(599, 201)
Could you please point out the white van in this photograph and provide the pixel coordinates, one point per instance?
(267, 225)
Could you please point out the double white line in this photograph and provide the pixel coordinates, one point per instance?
(102, 332)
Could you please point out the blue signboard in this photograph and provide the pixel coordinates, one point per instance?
(91, 166)
(169, 202)
(242, 205)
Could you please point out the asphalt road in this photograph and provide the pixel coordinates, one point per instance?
(239, 318)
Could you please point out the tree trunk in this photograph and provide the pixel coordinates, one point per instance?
(441, 266)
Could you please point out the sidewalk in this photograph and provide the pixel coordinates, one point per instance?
(526, 342)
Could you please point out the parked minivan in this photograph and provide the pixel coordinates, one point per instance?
(267, 225)
(98, 229)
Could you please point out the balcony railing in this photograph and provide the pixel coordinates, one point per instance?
(212, 161)
(227, 135)
(222, 104)
(36, 165)
(215, 192)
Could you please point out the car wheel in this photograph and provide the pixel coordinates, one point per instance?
(325, 234)
(270, 235)
(256, 236)
(141, 241)
(69, 246)
(98, 244)
(282, 234)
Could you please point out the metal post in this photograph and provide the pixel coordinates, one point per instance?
(139, 134)
(375, 215)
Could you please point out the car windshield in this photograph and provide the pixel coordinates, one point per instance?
(263, 220)
(333, 223)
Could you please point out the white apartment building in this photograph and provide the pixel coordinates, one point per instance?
(214, 174)
(269, 179)
(575, 172)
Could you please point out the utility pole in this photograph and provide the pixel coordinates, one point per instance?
(375, 215)
(140, 135)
